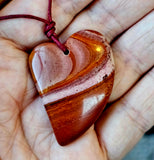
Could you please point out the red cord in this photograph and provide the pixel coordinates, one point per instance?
(49, 26)
(15, 16)
(49, 11)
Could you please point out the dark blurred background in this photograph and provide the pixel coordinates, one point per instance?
(144, 150)
(3, 3)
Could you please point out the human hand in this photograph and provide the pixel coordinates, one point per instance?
(25, 131)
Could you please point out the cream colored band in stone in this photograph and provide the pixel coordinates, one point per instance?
(65, 91)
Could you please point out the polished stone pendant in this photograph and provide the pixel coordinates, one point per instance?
(74, 88)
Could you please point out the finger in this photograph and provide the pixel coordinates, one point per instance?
(42, 140)
(28, 33)
(125, 122)
(110, 17)
(133, 55)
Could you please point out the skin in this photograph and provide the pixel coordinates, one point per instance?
(25, 131)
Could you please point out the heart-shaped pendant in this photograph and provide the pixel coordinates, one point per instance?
(74, 88)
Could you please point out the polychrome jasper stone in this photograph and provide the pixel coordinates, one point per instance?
(76, 87)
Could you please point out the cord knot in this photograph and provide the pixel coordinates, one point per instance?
(50, 29)
(50, 33)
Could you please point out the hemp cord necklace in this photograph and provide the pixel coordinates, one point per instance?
(74, 88)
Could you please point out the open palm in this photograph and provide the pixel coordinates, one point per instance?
(25, 131)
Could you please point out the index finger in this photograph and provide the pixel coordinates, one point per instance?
(110, 18)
